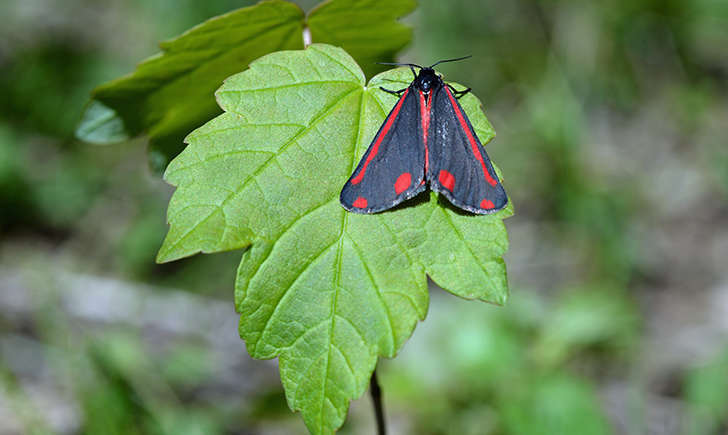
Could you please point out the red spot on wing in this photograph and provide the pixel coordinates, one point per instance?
(425, 111)
(447, 180)
(403, 182)
(378, 140)
(471, 138)
(360, 202)
(486, 204)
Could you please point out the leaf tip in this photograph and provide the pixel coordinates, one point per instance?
(168, 252)
(101, 125)
(163, 256)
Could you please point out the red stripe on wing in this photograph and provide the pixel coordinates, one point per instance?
(382, 134)
(471, 138)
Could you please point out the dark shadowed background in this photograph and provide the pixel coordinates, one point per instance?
(612, 119)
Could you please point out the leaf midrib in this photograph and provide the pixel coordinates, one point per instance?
(335, 300)
(275, 88)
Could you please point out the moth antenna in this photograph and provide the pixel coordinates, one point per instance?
(450, 60)
(401, 64)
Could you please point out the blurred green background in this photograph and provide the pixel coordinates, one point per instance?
(612, 119)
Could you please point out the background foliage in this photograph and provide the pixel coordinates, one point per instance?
(611, 130)
(172, 93)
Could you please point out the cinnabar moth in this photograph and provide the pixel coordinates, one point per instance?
(426, 139)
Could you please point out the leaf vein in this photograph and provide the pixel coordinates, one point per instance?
(346, 360)
(304, 373)
(248, 124)
(462, 239)
(288, 289)
(378, 290)
(280, 236)
(337, 286)
(355, 328)
(353, 74)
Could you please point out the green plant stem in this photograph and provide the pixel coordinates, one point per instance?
(376, 393)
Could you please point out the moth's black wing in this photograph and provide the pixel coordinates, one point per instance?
(459, 168)
(393, 167)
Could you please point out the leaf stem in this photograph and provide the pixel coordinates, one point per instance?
(376, 393)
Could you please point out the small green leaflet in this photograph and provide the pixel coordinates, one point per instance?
(324, 290)
(171, 94)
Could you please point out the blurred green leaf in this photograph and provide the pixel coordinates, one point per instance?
(171, 93)
(184, 421)
(483, 379)
(706, 393)
(561, 405)
(136, 248)
(66, 191)
(45, 86)
(51, 192)
(110, 402)
(325, 290)
(10, 161)
(188, 364)
(586, 318)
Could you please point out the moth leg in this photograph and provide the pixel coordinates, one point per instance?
(457, 93)
(397, 93)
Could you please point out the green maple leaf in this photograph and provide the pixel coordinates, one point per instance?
(324, 290)
(171, 93)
